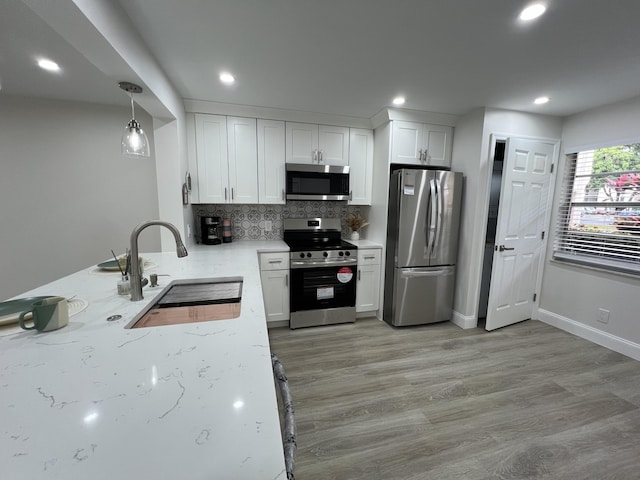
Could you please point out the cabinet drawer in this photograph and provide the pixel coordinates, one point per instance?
(369, 256)
(274, 261)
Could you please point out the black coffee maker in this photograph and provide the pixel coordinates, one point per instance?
(210, 228)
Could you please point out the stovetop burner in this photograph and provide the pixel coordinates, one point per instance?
(316, 235)
(297, 246)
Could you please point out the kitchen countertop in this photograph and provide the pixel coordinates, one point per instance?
(95, 400)
(362, 243)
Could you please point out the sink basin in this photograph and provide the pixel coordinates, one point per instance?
(194, 300)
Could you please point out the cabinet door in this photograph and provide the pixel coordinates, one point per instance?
(211, 158)
(437, 141)
(271, 162)
(407, 143)
(243, 160)
(360, 166)
(368, 288)
(301, 142)
(333, 144)
(275, 290)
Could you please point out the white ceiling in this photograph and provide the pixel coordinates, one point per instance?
(24, 37)
(351, 57)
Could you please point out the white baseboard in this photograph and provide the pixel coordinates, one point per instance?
(617, 344)
(278, 323)
(464, 321)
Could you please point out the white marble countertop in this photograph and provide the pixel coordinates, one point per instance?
(94, 400)
(362, 243)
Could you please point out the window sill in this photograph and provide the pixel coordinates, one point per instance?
(598, 264)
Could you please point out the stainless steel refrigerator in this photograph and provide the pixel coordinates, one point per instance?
(422, 246)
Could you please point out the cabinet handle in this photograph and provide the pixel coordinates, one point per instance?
(232, 194)
(283, 194)
(420, 154)
(225, 194)
(275, 261)
(286, 279)
(350, 194)
(358, 274)
(314, 157)
(426, 155)
(366, 257)
(321, 159)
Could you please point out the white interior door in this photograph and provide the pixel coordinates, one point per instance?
(524, 195)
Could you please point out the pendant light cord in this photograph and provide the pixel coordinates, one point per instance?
(133, 113)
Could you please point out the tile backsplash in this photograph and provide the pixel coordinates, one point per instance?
(248, 221)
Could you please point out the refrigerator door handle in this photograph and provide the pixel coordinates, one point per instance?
(440, 203)
(431, 234)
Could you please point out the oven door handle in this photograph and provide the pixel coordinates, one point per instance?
(322, 263)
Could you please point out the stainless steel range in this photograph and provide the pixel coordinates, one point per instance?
(323, 272)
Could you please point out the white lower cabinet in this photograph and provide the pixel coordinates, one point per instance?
(274, 275)
(368, 287)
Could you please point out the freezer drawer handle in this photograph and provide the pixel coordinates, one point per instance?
(502, 248)
(427, 273)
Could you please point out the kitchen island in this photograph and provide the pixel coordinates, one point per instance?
(94, 400)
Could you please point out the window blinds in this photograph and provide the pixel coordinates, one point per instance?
(598, 222)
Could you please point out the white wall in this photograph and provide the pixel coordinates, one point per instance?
(592, 289)
(62, 209)
(472, 155)
(467, 158)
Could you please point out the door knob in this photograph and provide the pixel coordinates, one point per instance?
(502, 248)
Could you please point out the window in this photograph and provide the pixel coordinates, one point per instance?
(599, 218)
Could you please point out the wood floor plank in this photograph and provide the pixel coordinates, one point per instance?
(436, 402)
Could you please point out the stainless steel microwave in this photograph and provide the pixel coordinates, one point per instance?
(317, 182)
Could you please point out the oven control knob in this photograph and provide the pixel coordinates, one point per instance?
(325, 254)
(341, 253)
(308, 254)
(347, 253)
(302, 255)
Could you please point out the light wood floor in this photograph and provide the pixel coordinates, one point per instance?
(437, 402)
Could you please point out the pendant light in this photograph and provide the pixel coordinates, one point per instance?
(134, 140)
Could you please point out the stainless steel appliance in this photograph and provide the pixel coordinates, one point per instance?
(210, 229)
(317, 182)
(422, 245)
(323, 272)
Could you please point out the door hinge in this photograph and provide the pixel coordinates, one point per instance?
(535, 295)
(542, 237)
(552, 165)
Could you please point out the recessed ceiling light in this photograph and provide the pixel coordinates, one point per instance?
(399, 100)
(227, 78)
(532, 11)
(541, 100)
(48, 65)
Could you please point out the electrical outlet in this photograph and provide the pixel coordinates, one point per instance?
(603, 315)
(268, 225)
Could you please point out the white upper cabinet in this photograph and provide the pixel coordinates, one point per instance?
(333, 145)
(227, 159)
(243, 160)
(271, 163)
(211, 158)
(421, 144)
(310, 143)
(361, 166)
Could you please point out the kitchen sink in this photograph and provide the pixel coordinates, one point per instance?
(193, 300)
